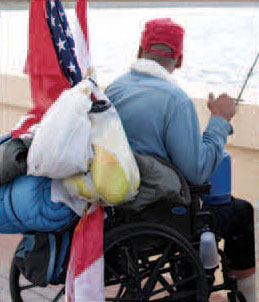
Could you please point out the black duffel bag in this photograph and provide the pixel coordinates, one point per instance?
(13, 157)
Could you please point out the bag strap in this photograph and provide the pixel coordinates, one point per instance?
(61, 257)
(52, 257)
(5, 138)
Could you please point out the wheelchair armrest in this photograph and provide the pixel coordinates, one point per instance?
(200, 189)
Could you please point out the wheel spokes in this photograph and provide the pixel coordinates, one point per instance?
(155, 272)
(151, 282)
(142, 274)
(22, 288)
(25, 287)
(59, 295)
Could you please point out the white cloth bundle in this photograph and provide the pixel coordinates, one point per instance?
(113, 176)
(88, 149)
(62, 143)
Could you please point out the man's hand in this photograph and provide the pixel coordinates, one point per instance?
(224, 106)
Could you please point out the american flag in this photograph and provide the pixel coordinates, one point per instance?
(85, 274)
(51, 63)
(53, 66)
(63, 41)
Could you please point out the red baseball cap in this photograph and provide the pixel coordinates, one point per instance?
(163, 31)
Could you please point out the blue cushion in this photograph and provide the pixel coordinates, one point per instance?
(220, 180)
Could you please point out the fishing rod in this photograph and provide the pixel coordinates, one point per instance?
(247, 78)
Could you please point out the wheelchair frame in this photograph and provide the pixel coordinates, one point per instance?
(156, 258)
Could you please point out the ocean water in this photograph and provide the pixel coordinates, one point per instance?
(221, 43)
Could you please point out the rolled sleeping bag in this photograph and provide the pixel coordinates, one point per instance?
(25, 205)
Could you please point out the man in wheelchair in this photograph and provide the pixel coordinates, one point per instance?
(153, 252)
(160, 119)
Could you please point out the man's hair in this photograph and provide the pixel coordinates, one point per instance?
(164, 61)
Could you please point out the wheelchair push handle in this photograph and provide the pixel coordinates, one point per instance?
(200, 189)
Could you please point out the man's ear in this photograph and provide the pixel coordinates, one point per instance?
(140, 52)
(179, 62)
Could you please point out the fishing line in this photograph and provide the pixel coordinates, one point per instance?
(247, 78)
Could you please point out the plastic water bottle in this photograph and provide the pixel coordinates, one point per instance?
(208, 250)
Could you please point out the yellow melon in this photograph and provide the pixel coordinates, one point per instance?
(109, 177)
(81, 185)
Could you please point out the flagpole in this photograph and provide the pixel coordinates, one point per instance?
(247, 78)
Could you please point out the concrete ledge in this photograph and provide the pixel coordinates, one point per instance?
(15, 91)
(20, 4)
(10, 116)
(243, 145)
(245, 124)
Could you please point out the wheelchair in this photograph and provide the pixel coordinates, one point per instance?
(153, 255)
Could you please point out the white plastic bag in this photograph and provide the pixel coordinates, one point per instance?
(62, 143)
(113, 176)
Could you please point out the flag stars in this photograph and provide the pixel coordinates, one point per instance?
(53, 23)
(60, 45)
(52, 2)
(71, 81)
(68, 32)
(72, 67)
(61, 15)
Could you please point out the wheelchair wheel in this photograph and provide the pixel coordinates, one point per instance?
(19, 289)
(151, 262)
(143, 262)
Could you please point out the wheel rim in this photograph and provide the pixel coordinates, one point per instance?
(153, 263)
(142, 263)
(21, 289)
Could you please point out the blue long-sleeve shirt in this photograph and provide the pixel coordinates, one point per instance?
(159, 118)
